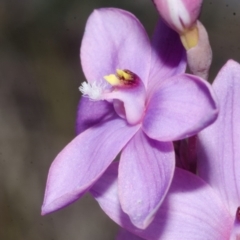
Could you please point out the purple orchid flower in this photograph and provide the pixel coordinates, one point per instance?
(196, 207)
(138, 111)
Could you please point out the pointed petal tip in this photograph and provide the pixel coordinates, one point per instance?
(57, 204)
(143, 223)
(46, 210)
(43, 211)
(50, 208)
(54, 205)
(232, 62)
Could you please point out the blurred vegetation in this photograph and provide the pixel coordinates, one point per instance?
(39, 77)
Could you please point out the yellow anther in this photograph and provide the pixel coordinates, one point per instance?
(190, 38)
(123, 74)
(119, 72)
(112, 79)
(122, 78)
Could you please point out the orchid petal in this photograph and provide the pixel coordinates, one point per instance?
(191, 209)
(180, 107)
(114, 39)
(219, 152)
(126, 235)
(78, 166)
(168, 56)
(90, 113)
(145, 174)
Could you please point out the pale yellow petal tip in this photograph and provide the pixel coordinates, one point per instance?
(190, 38)
(112, 79)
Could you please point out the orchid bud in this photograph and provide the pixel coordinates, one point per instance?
(199, 57)
(180, 15)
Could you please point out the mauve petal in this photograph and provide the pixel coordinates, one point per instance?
(90, 113)
(168, 56)
(126, 235)
(180, 107)
(145, 173)
(191, 209)
(114, 39)
(83, 161)
(219, 151)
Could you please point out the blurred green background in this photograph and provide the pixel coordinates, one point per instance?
(40, 74)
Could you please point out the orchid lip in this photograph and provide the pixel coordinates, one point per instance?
(125, 89)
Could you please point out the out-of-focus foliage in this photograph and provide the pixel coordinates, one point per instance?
(39, 77)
